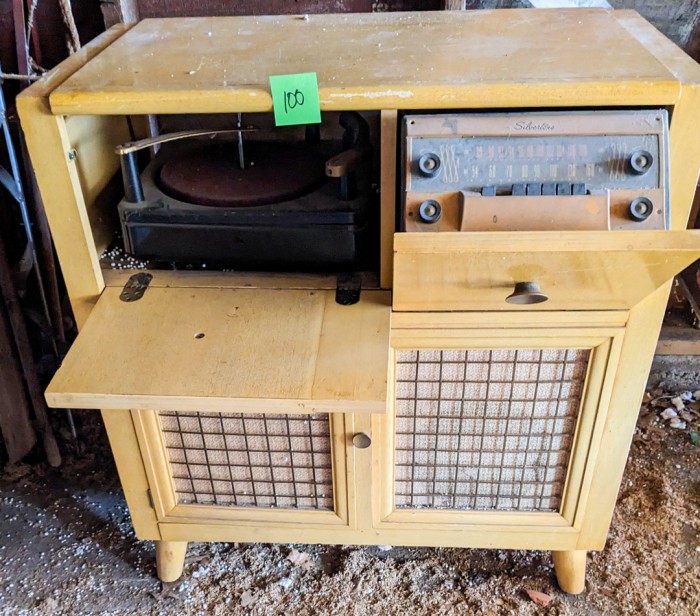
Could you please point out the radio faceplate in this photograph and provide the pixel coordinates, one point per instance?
(565, 170)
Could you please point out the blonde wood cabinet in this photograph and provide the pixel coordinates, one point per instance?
(254, 407)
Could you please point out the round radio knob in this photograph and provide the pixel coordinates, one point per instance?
(640, 162)
(526, 293)
(429, 164)
(640, 209)
(430, 211)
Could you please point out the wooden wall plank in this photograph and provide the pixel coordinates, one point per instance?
(200, 8)
(15, 424)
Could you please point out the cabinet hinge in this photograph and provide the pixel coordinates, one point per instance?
(135, 287)
(347, 290)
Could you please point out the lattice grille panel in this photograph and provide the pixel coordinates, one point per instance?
(485, 430)
(250, 460)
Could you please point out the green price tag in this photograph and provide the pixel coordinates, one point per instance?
(295, 99)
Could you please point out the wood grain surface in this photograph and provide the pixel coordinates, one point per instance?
(424, 60)
(231, 350)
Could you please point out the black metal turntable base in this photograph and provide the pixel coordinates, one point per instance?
(196, 205)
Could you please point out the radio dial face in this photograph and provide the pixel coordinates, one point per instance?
(616, 162)
(537, 168)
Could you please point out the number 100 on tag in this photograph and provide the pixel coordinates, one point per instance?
(295, 99)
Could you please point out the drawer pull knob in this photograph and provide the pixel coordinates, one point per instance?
(526, 293)
(361, 440)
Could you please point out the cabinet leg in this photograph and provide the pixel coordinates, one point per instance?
(570, 568)
(170, 559)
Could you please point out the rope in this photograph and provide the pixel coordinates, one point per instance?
(34, 67)
(30, 22)
(72, 38)
(4, 76)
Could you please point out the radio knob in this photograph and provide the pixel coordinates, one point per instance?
(640, 209)
(640, 162)
(429, 165)
(430, 211)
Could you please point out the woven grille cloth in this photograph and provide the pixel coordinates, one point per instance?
(485, 430)
(250, 460)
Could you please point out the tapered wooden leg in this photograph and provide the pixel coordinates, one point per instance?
(570, 568)
(170, 559)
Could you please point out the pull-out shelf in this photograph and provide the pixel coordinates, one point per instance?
(229, 350)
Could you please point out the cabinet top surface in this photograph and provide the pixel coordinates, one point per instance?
(381, 60)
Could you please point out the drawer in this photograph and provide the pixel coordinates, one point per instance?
(576, 270)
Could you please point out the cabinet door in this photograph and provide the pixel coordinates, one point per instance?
(251, 469)
(493, 427)
(576, 270)
(227, 349)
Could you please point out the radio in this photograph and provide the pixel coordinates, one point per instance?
(566, 170)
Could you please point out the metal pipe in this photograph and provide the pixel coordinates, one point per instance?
(49, 441)
(19, 197)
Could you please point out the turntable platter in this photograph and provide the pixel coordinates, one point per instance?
(210, 175)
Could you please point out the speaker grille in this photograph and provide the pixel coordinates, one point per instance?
(250, 460)
(485, 430)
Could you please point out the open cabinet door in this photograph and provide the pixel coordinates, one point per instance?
(229, 350)
(576, 270)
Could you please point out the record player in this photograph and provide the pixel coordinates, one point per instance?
(483, 393)
(231, 201)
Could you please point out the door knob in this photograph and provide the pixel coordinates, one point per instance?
(361, 440)
(526, 293)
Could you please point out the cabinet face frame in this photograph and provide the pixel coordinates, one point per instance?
(605, 345)
(168, 510)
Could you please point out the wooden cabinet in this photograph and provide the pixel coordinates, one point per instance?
(254, 407)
